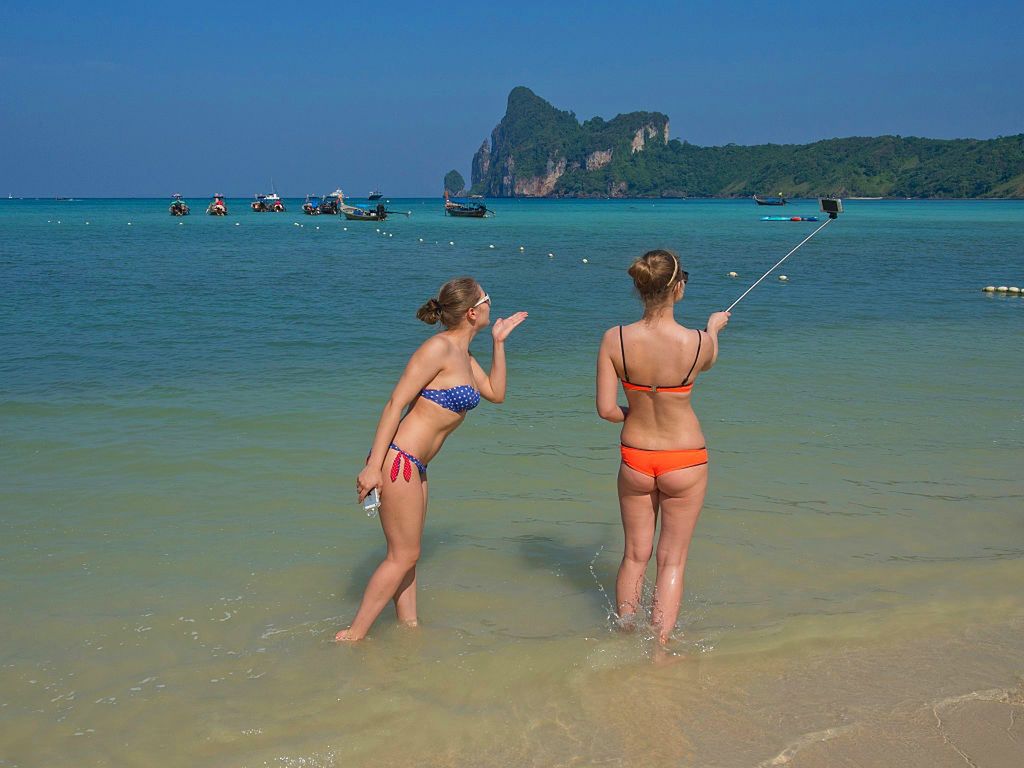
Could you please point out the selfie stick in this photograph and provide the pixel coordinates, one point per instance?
(830, 206)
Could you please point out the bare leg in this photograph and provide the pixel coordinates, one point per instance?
(401, 517)
(405, 597)
(682, 496)
(638, 503)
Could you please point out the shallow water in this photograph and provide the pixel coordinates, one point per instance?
(185, 404)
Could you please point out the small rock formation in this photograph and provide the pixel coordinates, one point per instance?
(454, 184)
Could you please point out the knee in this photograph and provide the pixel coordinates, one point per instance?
(638, 555)
(406, 558)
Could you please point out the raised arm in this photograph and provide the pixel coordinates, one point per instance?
(492, 386)
(716, 322)
(421, 369)
(608, 407)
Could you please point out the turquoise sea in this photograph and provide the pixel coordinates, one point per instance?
(185, 403)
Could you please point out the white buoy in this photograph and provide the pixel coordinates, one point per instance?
(378, 229)
(585, 261)
(989, 289)
(1013, 289)
(237, 224)
(391, 234)
(1002, 289)
(421, 239)
(87, 222)
(491, 245)
(344, 229)
(59, 221)
(784, 278)
(551, 255)
(451, 242)
(318, 227)
(521, 248)
(733, 274)
(129, 223)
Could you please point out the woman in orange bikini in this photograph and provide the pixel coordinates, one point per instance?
(441, 383)
(664, 458)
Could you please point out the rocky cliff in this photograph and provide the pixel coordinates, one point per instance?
(536, 150)
(540, 151)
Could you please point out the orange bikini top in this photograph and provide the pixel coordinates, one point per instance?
(684, 387)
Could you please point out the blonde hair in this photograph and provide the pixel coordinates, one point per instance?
(455, 298)
(655, 274)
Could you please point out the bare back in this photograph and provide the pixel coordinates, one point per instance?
(660, 357)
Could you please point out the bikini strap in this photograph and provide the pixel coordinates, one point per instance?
(695, 357)
(622, 346)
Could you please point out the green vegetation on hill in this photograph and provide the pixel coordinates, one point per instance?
(454, 184)
(539, 150)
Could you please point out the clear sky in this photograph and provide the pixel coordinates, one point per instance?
(108, 99)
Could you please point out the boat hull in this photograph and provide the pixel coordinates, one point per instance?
(467, 213)
(361, 215)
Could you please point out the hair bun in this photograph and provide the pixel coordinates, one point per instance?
(654, 274)
(430, 312)
(642, 275)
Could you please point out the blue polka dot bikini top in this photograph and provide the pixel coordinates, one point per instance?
(458, 399)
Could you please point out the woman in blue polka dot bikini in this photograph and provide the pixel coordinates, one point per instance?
(440, 384)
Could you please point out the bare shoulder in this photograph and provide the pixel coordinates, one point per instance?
(437, 347)
(689, 335)
(611, 336)
(436, 343)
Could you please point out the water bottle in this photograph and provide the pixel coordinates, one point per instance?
(371, 504)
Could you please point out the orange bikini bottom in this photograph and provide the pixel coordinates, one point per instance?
(654, 463)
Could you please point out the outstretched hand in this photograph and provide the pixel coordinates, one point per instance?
(718, 321)
(503, 326)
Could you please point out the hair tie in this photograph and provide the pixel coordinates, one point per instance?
(675, 270)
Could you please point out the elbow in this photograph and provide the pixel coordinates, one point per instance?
(613, 415)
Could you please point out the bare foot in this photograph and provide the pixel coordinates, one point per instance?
(411, 623)
(346, 636)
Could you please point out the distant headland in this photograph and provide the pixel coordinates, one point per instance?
(540, 151)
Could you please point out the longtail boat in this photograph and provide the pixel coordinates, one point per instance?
(178, 206)
(465, 210)
(267, 204)
(352, 213)
(218, 207)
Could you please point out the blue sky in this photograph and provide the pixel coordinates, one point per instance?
(109, 99)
